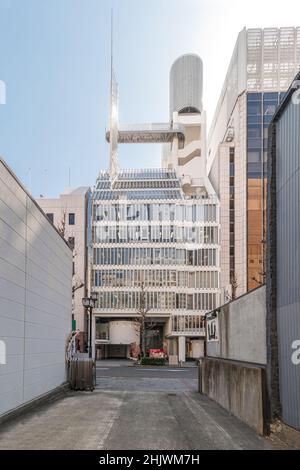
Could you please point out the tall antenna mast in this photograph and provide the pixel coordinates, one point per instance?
(29, 181)
(113, 137)
(46, 185)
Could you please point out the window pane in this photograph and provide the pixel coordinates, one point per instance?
(71, 218)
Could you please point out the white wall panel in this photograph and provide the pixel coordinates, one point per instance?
(35, 297)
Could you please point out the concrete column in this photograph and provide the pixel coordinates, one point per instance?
(93, 337)
(197, 348)
(181, 349)
(174, 158)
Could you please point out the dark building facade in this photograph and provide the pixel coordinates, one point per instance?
(283, 259)
(260, 110)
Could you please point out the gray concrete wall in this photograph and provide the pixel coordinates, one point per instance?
(35, 297)
(242, 329)
(239, 388)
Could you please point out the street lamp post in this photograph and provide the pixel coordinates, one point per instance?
(89, 303)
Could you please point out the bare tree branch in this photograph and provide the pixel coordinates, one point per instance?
(76, 287)
(62, 225)
(234, 285)
(77, 282)
(141, 321)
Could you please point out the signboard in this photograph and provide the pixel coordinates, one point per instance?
(212, 329)
(156, 353)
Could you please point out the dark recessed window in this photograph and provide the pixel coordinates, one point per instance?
(50, 216)
(71, 218)
(254, 96)
(71, 241)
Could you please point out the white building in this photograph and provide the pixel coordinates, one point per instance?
(263, 64)
(186, 151)
(158, 228)
(70, 214)
(146, 231)
(35, 297)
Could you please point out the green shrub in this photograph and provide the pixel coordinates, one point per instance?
(152, 361)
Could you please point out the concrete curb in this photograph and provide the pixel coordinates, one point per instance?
(54, 394)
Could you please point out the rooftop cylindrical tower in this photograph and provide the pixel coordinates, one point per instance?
(186, 85)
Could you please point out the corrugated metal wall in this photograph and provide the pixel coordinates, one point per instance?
(288, 260)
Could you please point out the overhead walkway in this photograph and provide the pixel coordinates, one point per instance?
(149, 133)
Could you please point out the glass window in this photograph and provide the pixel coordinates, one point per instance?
(123, 234)
(254, 156)
(144, 233)
(71, 218)
(254, 119)
(179, 212)
(271, 97)
(270, 108)
(254, 97)
(254, 108)
(254, 170)
(189, 213)
(254, 131)
(282, 95)
(254, 135)
(190, 302)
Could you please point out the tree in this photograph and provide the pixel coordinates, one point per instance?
(141, 321)
(77, 282)
(234, 285)
(262, 274)
(62, 225)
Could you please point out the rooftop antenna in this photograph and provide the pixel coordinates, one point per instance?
(113, 160)
(45, 175)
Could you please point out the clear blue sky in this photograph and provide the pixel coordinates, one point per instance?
(55, 62)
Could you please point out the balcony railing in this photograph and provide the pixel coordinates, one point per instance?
(189, 332)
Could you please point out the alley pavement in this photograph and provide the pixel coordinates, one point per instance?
(132, 408)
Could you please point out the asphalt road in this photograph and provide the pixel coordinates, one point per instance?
(147, 372)
(147, 408)
(147, 378)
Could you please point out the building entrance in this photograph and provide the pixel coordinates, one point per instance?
(112, 351)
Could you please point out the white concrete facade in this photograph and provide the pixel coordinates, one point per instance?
(146, 231)
(188, 156)
(189, 159)
(220, 177)
(35, 297)
(73, 201)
